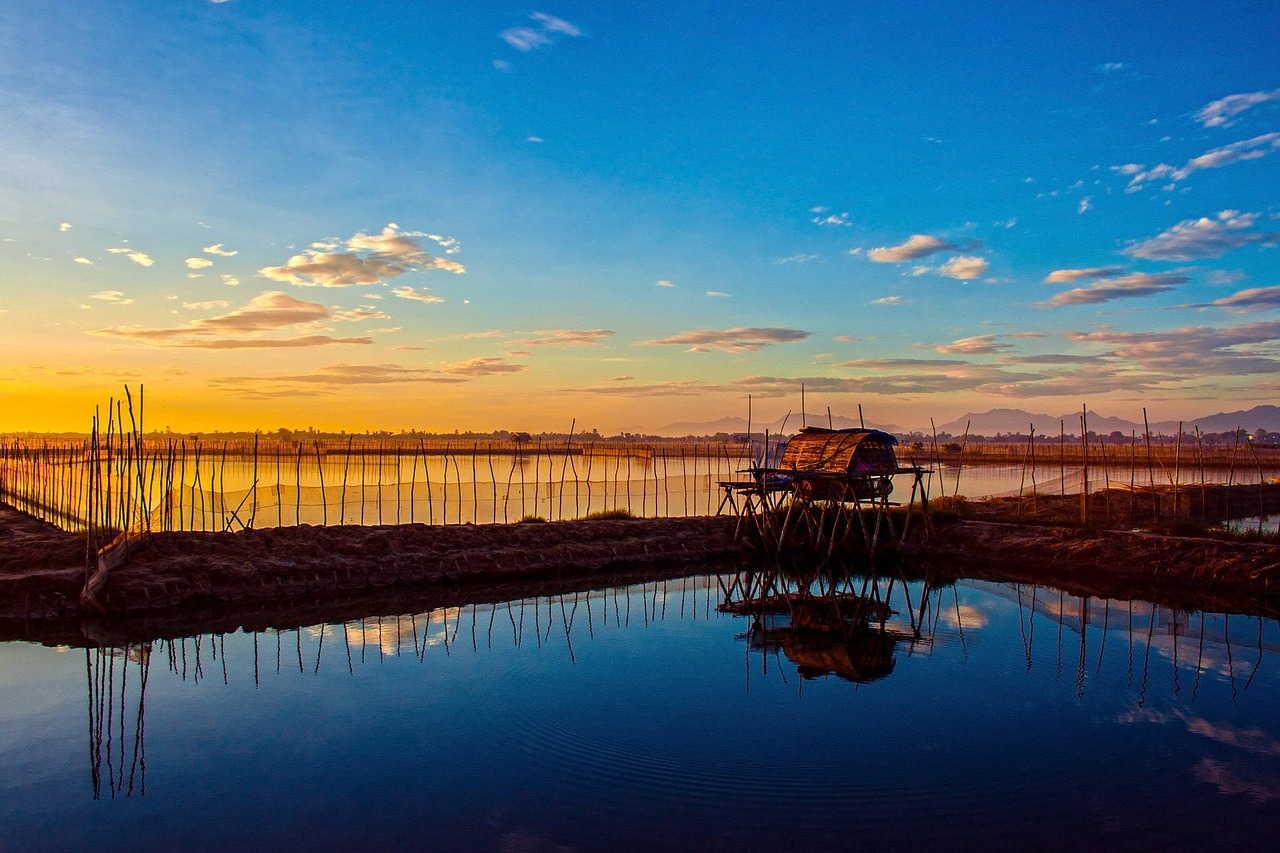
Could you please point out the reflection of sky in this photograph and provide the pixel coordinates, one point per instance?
(589, 729)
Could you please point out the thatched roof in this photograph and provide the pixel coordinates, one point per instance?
(815, 449)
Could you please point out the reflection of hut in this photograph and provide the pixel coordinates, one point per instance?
(863, 657)
(862, 457)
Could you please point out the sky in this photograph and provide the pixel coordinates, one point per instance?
(494, 215)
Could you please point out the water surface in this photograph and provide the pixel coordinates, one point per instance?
(974, 716)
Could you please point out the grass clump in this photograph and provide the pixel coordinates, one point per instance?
(609, 515)
(533, 519)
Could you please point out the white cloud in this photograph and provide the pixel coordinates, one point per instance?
(1220, 112)
(841, 219)
(205, 306)
(797, 259)
(84, 261)
(415, 295)
(1110, 67)
(917, 246)
(65, 226)
(891, 300)
(502, 65)
(115, 297)
(1206, 237)
(535, 139)
(369, 259)
(199, 263)
(230, 280)
(1085, 204)
(662, 282)
(964, 268)
(139, 258)
(717, 294)
(216, 249)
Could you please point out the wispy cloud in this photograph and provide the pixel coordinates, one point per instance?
(838, 219)
(717, 294)
(1120, 287)
(1246, 149)
(484, 367)
(567, 337)
(230, 280)
(368, 259)
(139, 258)
(796, 259)
(1196, 351)
(216, 249)
(244, 327)
(1206, 237)
(731, 340)
(84, 261)
(198, 263)
(416, 295)
(916, 247)
(205, 306)
(1072, 276)
(115, 297)
(976, 345)
(1254, 298)
(891, 300)
(268, 343)
(899, 363)
(546, 28)
(65, 226)
(359, 315)
(662, 282)
(1220, 113)
(348, 375)
(1110, 67)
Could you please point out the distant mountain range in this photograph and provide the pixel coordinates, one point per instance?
(999, 422)
(1004, 421)
(793, 422)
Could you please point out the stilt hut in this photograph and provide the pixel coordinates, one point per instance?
(825, 478)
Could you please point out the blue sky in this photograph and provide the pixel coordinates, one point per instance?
(421, 214)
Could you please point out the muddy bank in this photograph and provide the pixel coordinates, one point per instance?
(218, 581)
(1185, 572)
(42, 569)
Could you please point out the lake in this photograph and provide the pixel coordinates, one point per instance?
(965, 716)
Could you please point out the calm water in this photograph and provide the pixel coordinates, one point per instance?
(976, 716)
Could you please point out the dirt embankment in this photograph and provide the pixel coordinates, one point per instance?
(42, 568)
(1197, 573)
(273, 570)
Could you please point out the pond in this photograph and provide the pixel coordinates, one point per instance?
(966, 715)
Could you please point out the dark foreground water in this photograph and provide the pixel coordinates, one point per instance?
(978, 716)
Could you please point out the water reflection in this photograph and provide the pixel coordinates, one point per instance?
(117, 719)
(826, 623)
(849, 631)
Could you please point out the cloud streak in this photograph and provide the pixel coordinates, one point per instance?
(917, 246)
(738, 340)
(1121, 287)
(1206, 237)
